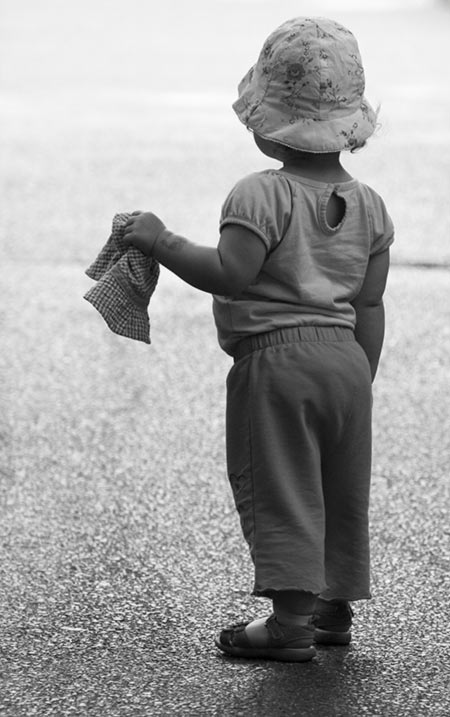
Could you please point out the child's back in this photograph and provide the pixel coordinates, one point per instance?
(319, 237)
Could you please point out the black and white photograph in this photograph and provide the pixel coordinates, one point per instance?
(225, 358)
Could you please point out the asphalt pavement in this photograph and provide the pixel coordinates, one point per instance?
(121, 550)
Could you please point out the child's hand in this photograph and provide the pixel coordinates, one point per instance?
(142, 230)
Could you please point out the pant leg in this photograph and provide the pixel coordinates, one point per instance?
(287, 407)
(346, 473)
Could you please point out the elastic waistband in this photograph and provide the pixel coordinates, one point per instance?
(290, 335)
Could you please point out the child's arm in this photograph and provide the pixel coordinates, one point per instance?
(225, 270)
(369, 331)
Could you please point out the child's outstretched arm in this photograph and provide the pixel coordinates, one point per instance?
(369, 307)
(225, 270)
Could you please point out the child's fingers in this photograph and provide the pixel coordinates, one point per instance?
(128, 226)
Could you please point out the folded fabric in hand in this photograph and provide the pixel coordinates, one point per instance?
(126, 279)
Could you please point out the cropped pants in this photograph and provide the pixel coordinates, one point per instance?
(298, 432)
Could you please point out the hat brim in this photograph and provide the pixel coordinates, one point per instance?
(315, 135)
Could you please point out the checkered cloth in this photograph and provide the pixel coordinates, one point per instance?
(126, 279)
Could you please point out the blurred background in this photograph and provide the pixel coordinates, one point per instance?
(110, 106)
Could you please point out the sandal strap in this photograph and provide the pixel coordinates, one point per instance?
(235, 635)
(290, 633)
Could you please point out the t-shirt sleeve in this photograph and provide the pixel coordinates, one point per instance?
(261, 202)
(382, 227)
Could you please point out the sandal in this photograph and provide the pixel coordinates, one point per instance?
(332, 622)
(288, 643)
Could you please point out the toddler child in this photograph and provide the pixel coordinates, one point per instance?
(298, 277)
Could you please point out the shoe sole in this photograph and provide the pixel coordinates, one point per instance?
(327, 637)
(283, 654)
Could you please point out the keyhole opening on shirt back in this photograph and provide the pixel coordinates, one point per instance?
(335, 210)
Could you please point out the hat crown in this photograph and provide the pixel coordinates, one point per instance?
(312, 66)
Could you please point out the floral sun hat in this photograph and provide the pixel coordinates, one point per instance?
(306, 90)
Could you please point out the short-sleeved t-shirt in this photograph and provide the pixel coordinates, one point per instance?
(312, 271)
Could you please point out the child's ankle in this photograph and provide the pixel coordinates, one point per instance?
(291, 618)
(294, 607)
